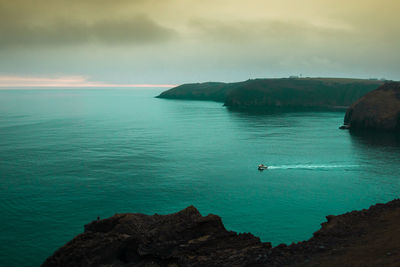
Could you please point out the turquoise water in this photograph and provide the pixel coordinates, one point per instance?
(68, 156)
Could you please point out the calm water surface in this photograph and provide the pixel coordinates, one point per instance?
(68, 156)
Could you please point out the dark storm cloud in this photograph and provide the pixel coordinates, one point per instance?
(59, 24)
(137, 30)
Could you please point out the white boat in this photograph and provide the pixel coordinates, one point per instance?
(262, 167)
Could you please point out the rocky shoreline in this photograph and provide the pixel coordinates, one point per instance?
(377, 110)
(359, 238)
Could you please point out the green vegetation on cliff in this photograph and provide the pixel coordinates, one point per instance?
(278, 93)
(214, 91)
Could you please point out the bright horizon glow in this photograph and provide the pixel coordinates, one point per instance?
(16, 82)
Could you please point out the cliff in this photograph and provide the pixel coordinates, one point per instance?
(278, 93)
(358, 238)
(214, 91)
(379, 110)
(181, 239)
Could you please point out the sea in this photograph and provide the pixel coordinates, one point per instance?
(68, 156)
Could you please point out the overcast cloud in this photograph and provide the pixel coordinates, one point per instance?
(175, 41)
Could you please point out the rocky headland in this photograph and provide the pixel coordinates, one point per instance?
(286, 93)
(377, 110)
(359, 238)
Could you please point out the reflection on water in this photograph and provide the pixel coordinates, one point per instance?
(379, 152)
(374, 138)
(282, 110)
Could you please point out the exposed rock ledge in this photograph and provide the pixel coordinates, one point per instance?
(358, 238)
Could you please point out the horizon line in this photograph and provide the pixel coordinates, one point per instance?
(23, 82)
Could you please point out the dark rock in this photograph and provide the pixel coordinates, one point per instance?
(185, 239)
(358, 238)
(378, 110)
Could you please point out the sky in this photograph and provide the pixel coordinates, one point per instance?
(170, 42)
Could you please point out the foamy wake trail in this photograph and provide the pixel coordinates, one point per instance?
(306, 166)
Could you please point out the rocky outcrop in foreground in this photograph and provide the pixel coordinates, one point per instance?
(359, 238)
(181, 239)
(379, 110)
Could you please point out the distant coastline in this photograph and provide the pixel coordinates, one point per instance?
(284, 93)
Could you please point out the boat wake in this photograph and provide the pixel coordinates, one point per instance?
(311, 167)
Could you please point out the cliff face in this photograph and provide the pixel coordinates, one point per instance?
(298, 93)
(200, 91)
(278, 93)
(359, 238)
(379, 109)
(185, 238)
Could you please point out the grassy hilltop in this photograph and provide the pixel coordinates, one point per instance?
(278, 93)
